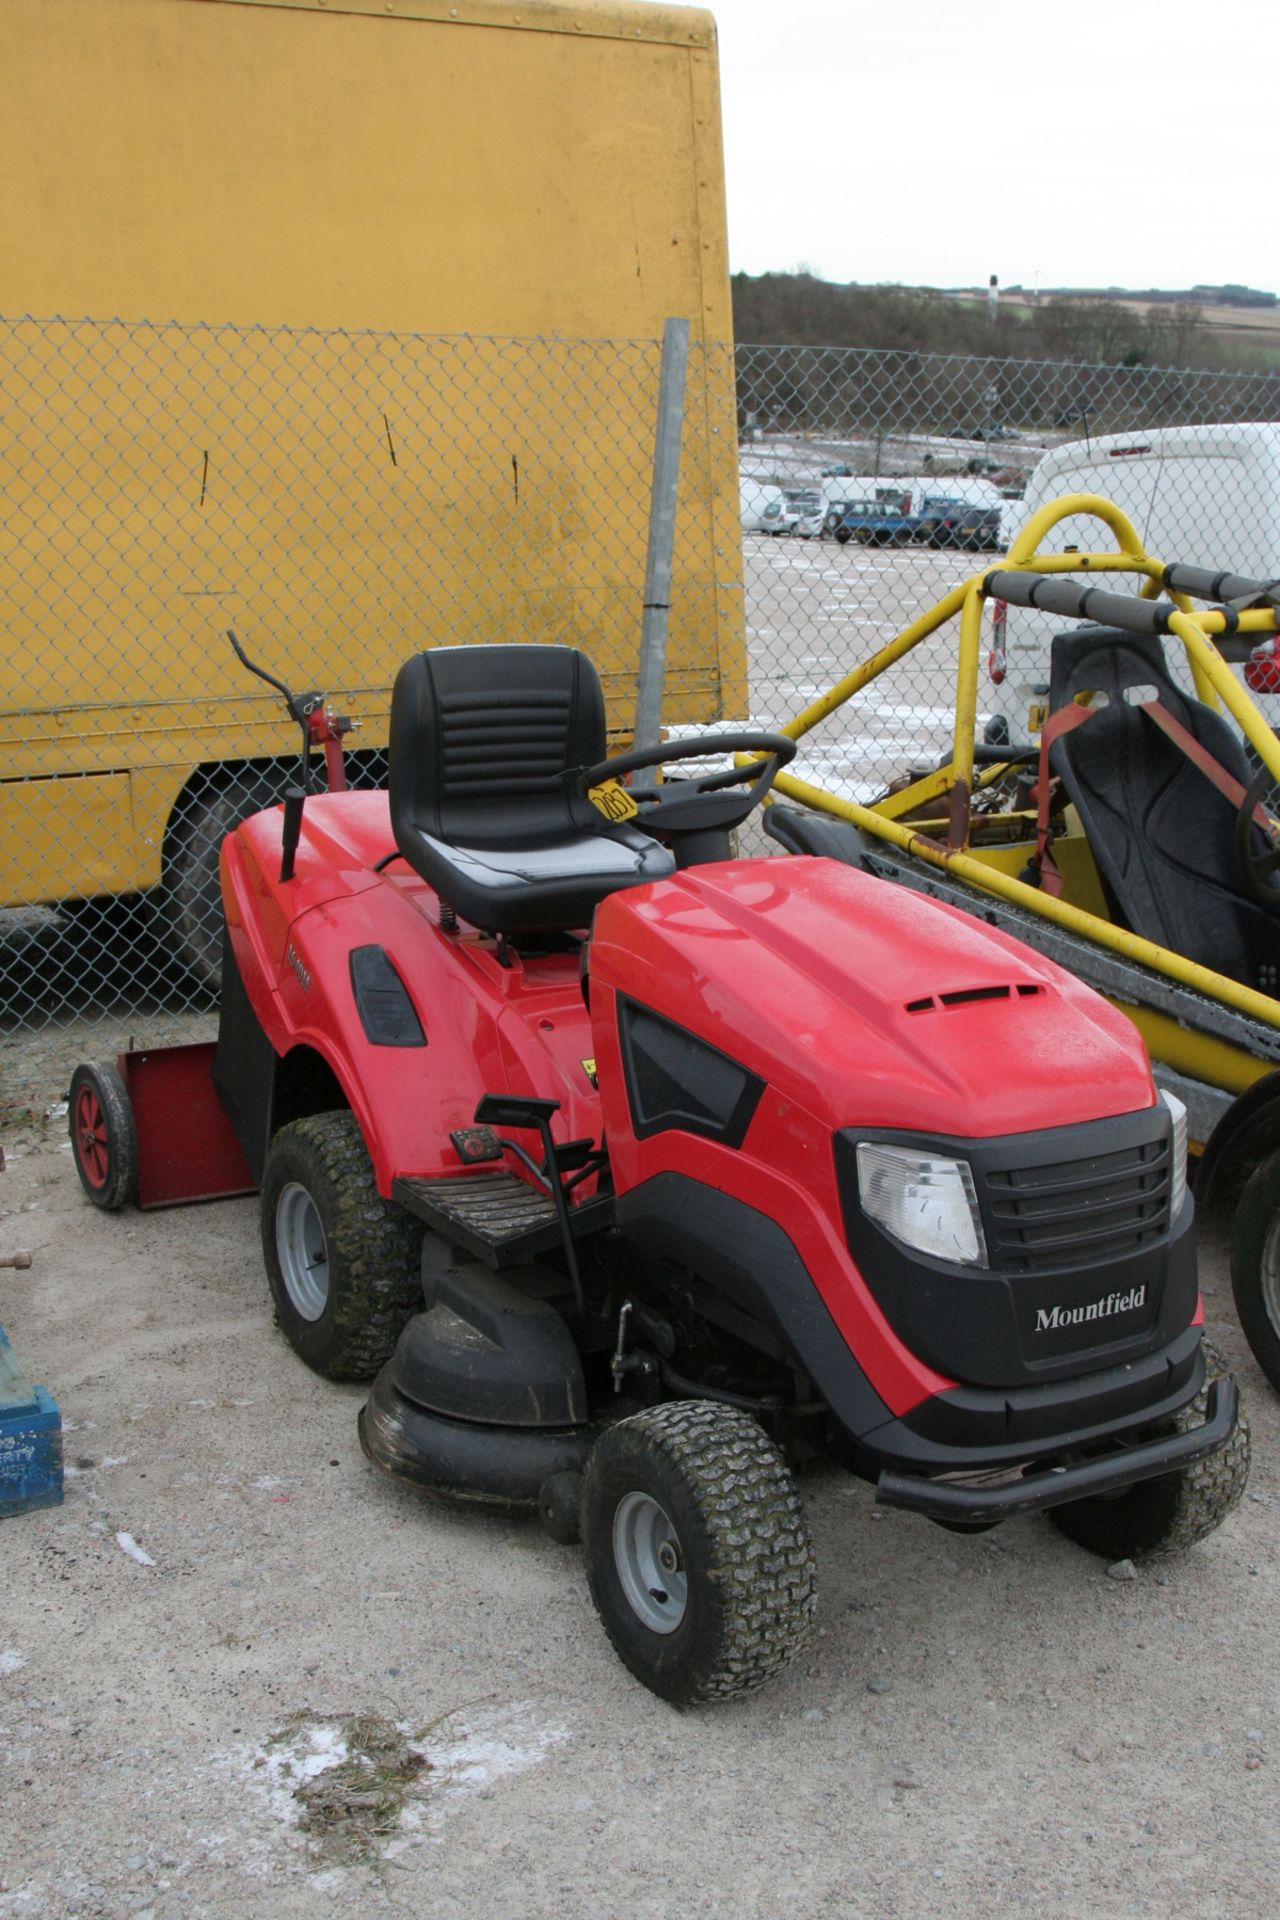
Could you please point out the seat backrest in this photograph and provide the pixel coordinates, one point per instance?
(1162, 835)
(481, 738)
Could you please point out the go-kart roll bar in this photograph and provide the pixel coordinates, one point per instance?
(1213, 679)
(1073, 601)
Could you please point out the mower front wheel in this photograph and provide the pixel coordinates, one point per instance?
(697, 1551)
(1169, 1514)
(343, 1264)
(1255, 1265)
(104, 1140)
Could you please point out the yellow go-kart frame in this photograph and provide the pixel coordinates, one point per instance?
(1212, 1040)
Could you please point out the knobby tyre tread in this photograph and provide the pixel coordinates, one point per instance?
(374, 1248)
(1168, 1515)
(750, 1564)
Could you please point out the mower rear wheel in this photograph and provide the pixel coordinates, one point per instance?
(104, 1140)
(1171, 1513)
(697, 1551)
(343, 1264)
(1255, 1265)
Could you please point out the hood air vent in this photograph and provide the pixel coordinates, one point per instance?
(964, 996)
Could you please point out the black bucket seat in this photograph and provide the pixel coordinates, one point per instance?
(1161, 833)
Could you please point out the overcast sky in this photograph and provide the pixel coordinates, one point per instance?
(1052, 142)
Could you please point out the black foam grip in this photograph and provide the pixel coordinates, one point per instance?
(1202, 584)
(1049, 594)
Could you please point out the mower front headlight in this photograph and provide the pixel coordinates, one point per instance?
(1178, 1171)
(926, 1200)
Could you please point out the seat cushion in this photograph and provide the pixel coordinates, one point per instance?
(548, 880)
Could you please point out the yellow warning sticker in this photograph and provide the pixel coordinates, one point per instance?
(589, 1068)
(1036, 717)
(613, 801)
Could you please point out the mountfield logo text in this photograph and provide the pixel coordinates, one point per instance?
(1049, 1319)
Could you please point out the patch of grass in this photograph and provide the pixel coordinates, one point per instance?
(348, 1807)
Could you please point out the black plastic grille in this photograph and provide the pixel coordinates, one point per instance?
(1077, 1213)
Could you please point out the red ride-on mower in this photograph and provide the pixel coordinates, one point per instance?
(644, 1174)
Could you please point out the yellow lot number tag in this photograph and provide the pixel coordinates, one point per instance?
(613, 801)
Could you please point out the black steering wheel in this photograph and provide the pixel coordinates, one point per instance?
(702, 804)
(1258, 847)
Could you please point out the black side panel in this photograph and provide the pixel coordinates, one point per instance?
(244, 1066)
(746, 1256)
(382, 1001)
(675, 1080)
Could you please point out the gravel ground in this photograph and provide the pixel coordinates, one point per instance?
(241, 1673)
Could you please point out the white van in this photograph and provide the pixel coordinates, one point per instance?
(762, 508)
(885, 488)
(1207, 496)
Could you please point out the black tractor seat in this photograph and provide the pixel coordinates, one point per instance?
(486, 744)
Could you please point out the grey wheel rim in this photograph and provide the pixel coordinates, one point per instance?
(1269, 1273)
(646, 1552)
(303, 1252)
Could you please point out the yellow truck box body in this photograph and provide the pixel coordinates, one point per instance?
(337, 322)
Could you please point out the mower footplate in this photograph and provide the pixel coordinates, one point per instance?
(498, 1217)
(958, 1503)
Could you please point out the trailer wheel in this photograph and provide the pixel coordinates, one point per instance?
(1164, 1516)
(104, 1140)
(1255, 1265)
(192, 893)
(843, 535)
(343, 1264)
(697, 1551)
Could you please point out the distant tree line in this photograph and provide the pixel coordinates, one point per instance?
(1232, 294)
(798, 309)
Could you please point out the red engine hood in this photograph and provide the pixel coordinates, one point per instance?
(870, 1005)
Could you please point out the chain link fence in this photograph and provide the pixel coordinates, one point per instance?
(901, 474)
(342, 500)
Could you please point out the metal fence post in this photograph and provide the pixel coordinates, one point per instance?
(662, 527)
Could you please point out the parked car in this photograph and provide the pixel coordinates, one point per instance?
(762, 507)
(886, 489)
(872, 522)
(943, 520)
(804, 512)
